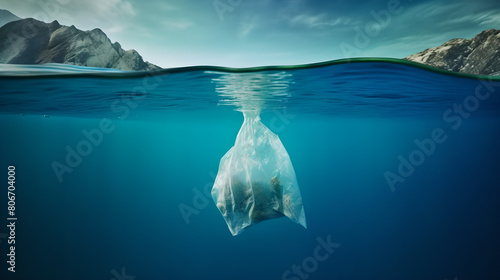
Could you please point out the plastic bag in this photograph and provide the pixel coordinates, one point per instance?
(256, 180)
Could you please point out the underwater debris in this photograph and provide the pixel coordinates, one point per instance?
(256, 180)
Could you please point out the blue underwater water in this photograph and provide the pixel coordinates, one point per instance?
(398, 167)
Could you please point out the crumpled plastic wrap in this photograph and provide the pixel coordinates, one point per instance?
(256, 180)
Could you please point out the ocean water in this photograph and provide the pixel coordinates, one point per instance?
(398, 165)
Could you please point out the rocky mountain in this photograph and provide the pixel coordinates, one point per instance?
(479, 55)
(29, 41)
(6, 17)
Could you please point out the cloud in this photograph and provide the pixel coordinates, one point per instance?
(319, 20)
(167, 7)
(457, 13)
(246, 29)
(112, 16)
(426, 10)
(484, 18)
(88, 10)
(107, 11)
(492, 17)
(247, 25)
(409, 44)
(110, 7)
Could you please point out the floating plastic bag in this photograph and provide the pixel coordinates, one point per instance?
(256, 179)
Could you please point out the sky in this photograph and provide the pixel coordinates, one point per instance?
(246, 33)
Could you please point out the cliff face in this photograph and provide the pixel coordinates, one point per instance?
(30, 41)
(479, 55)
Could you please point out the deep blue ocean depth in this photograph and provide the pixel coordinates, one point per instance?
(398, 167)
